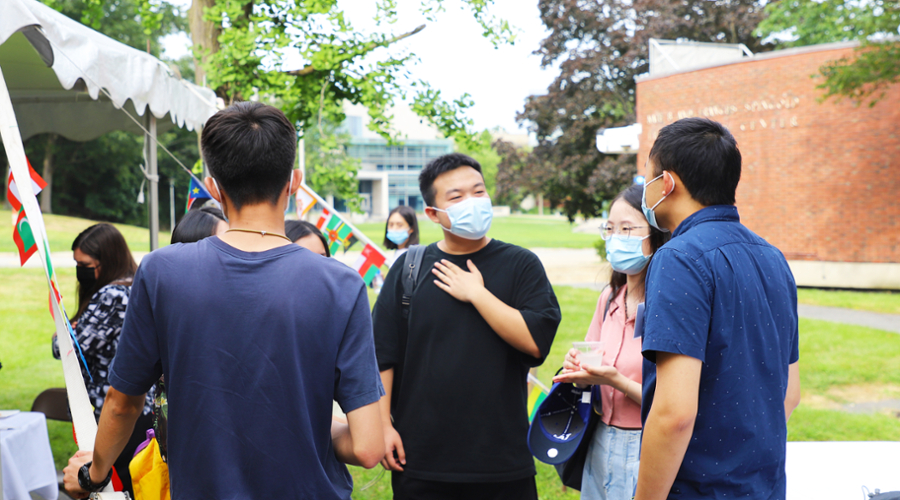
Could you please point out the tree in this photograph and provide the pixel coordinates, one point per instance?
(600, 48)
(480, 149)
(874, 66)
(241, 50)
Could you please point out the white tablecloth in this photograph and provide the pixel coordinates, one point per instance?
(839, 470)
(26, 457)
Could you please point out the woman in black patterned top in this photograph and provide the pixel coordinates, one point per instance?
(104, 268)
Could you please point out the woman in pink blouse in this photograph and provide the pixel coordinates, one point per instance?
(611, 468)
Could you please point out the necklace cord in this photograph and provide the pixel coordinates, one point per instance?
(261, 233)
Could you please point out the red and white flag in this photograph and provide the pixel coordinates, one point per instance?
(12, 191)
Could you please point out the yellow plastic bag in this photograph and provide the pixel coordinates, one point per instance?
(149, 474)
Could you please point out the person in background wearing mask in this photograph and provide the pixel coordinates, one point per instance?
(400, 233)
(611, 468)
(401, 230)
(104, 268)
(307, 235)
(482, 314)
(720, 330)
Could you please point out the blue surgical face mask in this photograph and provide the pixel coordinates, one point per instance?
(398, 237)
(649, 214)
(470, 218)
(626, 255)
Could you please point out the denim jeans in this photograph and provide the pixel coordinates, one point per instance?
(611, 467)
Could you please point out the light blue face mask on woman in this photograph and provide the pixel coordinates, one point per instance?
(626, 255)
(398, 237)
(470, 218)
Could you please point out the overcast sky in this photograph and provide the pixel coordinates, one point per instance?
(456, 59)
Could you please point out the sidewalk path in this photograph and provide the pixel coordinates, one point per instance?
(879, 321)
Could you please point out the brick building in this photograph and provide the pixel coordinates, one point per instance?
(820, 180)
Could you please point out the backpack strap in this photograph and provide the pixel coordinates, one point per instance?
(411, 273)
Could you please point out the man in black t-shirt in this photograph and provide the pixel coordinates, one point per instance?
(482, 314)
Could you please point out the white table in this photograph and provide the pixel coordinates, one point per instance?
(27, 462)
(838, 470)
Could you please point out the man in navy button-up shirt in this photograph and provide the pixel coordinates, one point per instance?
(721, 374)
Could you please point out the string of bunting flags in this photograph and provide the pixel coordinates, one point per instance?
(341, 234)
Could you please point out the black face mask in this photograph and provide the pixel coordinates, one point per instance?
(85, 276)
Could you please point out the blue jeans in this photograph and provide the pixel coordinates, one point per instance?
(611, 467)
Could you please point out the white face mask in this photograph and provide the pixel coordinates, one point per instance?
(470, 218)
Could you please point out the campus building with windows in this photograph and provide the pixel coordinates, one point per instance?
(389, 174)
(819, 175)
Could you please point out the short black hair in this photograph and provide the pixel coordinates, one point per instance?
(296, 229)
(250, 149)
(705, 156)
(409, 215)
(197, 224)
(437, 167)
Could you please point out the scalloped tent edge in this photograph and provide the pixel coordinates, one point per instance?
(83, 62)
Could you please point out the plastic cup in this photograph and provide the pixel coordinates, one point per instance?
(591, 353)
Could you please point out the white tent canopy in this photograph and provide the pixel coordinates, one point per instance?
(56, 67)
(68, 79)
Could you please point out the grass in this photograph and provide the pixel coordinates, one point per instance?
(62, 230)
(883, 302)
(832, 356)
(525, 231)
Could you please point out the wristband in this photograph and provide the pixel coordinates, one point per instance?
(84, 479)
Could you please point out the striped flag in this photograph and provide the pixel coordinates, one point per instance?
(12, 191)
(369, 263)
(538, 394)
(336, 232)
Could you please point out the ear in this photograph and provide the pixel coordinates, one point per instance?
(213, 189)
(670, 180)
(432, 214)
(296, 180)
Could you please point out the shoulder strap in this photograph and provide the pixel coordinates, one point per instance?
(410, 274)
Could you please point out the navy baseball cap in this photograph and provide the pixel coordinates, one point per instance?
(560, 423)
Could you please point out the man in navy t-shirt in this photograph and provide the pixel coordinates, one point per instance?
(256, 337)
(721, 373)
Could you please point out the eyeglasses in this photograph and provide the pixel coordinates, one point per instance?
(608, 230)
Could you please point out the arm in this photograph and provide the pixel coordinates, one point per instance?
(117, 419)
(669, 425)
(506, 321)
(359, 442)
(392, 440)
(792, 398)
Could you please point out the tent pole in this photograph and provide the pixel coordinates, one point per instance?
(153, 177)
(171, 204)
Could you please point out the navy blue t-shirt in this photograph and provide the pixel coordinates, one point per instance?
(720, 293)
(254, 348)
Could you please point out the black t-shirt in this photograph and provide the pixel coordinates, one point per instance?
(460, 403)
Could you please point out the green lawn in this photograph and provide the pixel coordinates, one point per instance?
(883, 302)
(523, 230)
(832, 356)
(62, 230)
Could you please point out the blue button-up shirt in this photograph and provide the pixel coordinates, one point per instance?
(720, 293)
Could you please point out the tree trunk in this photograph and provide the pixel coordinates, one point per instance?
(47, 192)
(205, 40)
(204, 36)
